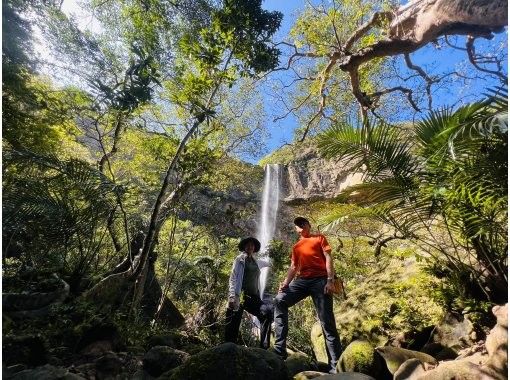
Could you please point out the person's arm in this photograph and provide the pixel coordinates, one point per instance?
(233, 299)
(330, 267)
(290, 275)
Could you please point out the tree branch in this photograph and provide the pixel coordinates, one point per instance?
(278, 118)
(424, 75)
(470, 48)
(375, 20)
(406, 91)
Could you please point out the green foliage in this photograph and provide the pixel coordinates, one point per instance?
(450, 170)
(284, 155)
(244, 29)
(279, 253)
(235, 43)
(392, 297)
(320, 29)
(56, 212)
(231, 175)
(40, 117)
(195, 266)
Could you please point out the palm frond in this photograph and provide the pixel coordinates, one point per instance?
(63, 198)
(386, 190)
(382, 152)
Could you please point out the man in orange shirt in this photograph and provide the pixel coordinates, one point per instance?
(311, 273)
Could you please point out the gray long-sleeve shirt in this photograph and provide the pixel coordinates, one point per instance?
(236, 275)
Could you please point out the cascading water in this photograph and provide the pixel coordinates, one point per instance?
(268, 213)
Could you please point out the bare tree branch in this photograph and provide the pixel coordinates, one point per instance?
(291, 110)
(473, 58)
(424, 75)
(406, 91)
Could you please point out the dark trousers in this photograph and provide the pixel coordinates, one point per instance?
(299, 289)
(254, 306)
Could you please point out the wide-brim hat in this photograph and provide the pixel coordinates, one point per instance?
(245, 241)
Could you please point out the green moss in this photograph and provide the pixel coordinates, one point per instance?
(229, 361)
(284, 155)
(318, 345)
(359, 356)
(385, 302)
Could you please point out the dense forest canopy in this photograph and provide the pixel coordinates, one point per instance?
(129, 138)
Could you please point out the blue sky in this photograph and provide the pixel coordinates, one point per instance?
(454, 93)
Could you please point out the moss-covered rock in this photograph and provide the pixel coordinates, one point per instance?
(346, 376)
(298, 362)
(318, 345)
(360, 356)
(410, 369)
(46, 372)
(229, 361)
(392, 299)
(160, 359)
(307, 375)
(395, 357)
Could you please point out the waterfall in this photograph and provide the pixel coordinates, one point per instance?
(268, 213)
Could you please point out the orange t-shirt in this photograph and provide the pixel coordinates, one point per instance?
(308, 256)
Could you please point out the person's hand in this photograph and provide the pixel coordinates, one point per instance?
(283, 286)
(329, 288)
(232, 303)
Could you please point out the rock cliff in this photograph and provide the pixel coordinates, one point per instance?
(311, 177)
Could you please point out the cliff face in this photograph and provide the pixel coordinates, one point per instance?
(311, 177)
(234, 208)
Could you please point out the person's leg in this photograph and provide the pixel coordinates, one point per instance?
(295, 292)
(233, 322)
(264, 314)
(267, 311)
(324, 307)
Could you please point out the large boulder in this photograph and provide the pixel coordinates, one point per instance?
(233, 362)
(497, 345)
(46, 372)
(26, 349)
(98, 338)
(472, 364)
(161, 359)
(108, 366)
(395, 357)
(307, 375)
(346, 376)
(360, 356)
(455, 332)
(458, 370)
(27, 305)
(389, 301)
(409, 370)
(298, 362)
